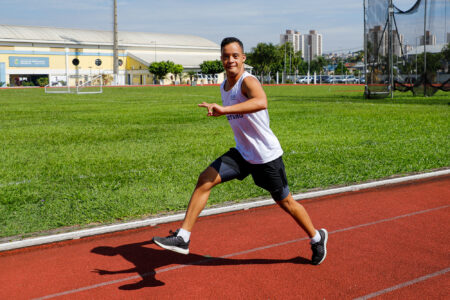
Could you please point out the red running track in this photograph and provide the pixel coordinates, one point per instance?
(390, 242)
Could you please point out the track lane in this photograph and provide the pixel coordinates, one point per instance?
(266, 272)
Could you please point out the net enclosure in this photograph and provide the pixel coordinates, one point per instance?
(407, 46)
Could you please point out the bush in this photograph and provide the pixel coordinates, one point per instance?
(28, 83)
(43, 81)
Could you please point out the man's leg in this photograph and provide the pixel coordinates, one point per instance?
(298, 213)
(179, 240)
(319, 238)
(206, 181)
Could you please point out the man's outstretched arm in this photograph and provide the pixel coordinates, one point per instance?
(252, 89)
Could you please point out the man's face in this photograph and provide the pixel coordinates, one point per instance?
(232, 58)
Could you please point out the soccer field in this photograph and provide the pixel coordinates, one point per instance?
(75, 160)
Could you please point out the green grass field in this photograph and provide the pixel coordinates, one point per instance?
(77, 160)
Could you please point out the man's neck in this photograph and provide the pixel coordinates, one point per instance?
(233, 78)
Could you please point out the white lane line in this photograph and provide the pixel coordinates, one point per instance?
(207, 212)
(404, 284)
(233, 254)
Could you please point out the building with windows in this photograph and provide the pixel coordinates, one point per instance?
(313, 47)
(76, 55)
(295, 38)
(310, 44)
(379, 42)
(430, 39)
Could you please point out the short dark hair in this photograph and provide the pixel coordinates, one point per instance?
(229, 40)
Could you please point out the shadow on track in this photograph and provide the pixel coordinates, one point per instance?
(146, 260)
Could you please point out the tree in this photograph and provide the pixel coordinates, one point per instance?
(161, 69)
(340, 69)
(192, 75)
(264, 58)
(445, 54)
(297, 61)
(212, 67)
(433, 62)
(320, 63)
(358, 57)
(177, 69)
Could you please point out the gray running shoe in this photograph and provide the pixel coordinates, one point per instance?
(319, 249)
(173, 243)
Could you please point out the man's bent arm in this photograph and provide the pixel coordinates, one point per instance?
(257, 100)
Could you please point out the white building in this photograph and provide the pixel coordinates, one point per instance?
(28, 53)
(310, 44)
(313, 47)
(379, 42)
(295, 38)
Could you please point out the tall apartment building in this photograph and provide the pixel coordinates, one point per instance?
(310, 44)
(295, 38)
(429, 38)
(313, 47)
(377, 39)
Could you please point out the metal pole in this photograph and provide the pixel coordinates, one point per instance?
(66, 50)
(417, 50)
(365, 49)
(115, 47)
(309, 59)
(391, 50)
(425, 50)
(284, 75)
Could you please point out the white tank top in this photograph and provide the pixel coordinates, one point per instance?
(255, 140)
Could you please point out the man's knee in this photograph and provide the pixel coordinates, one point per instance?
(280, 194)
(208, 178)
(288, 203)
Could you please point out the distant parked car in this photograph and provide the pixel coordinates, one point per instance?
(349, 79)
(336, 79)
(323, 78)
(299, 79)
(305, 79)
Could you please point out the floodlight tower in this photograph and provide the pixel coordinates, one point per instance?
(115, 47)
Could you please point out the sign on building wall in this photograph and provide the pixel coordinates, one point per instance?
(23, 61)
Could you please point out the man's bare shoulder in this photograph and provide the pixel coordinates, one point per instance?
(252, 87)
(251, 80)
(250, 83)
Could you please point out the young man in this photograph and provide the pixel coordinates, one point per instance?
(258, 152)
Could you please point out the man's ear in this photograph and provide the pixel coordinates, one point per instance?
(244, 57)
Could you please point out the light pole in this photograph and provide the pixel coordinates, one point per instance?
(115, 47)
(309, 60)
(284, 75)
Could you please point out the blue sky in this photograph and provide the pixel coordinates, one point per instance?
(339, 21)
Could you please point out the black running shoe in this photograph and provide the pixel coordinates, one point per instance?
(319, 249)
(173, 243)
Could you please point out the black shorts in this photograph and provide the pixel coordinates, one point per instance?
(270, 176)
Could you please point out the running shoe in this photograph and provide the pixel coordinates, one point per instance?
(173, 243)
(319, 249)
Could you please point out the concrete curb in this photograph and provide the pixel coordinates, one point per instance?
(212, 211)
